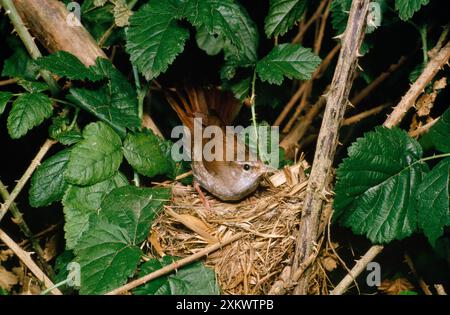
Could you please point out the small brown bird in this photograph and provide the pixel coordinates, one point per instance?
(230, 180)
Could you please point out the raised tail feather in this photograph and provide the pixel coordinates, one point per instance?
(215, 107)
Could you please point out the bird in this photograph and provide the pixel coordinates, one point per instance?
(228, 180)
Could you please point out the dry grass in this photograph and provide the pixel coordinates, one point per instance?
(270, 218)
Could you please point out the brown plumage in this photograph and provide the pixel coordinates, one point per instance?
(227, 180)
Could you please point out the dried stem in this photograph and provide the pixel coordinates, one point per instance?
(175, 265)
(337, 100)
(28, 41)
(409, 99)
(423, 129)
(356, 270)
(298, 38)
(358, 117)
(440, 289)
(26, 176)
(375, 83)
(18, 219)
(26, 259)
(7, 82)
(419, 279)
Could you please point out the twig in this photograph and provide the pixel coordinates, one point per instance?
(291, 139)
(25, 258)
(320, 34)
(298, 38)
(440, 289)
(175, 265)
(294, 98)
(419, 279)
(408, 100)
(375, 83)
(18, 219)
(356, 270)
(327, 142)
(28, 41)
(358, 117)
(23, 180)
(7, 82)
(423, 129)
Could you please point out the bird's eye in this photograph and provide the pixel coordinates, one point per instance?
(246, 167)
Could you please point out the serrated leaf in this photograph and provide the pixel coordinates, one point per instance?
(107, 257)
(376, 185)
(194, 279)
(416, 72)
(227, 19)
(407, 8)
(33, 86)
(60, 131)
(440, 133)
(283, 14)
(154, 38)
(48, 184)
(211, 44)
(96, 158)
(80, 203)
(4, 99)
(240, 89)
(433, 201)
(19, 64)
(114, 103)
(339, 14)
(134, 209)
(64, 64)
(143, 152)
(287, 60)
(28, 111)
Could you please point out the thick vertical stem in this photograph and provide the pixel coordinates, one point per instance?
(337, 99)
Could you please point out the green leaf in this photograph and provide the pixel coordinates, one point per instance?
(227, 19)
(240, 89)
(96, 158)
(107, 257)
(440, 133)
(114, 103)
(154, 38)
(60, 131)
(211, 44)
(283, 14)
(433, 201)
(64, 64)
(80, 203)
(134, 209)
(376, 185)
(28, 111)
(407, 8)
(33, 86)
(19, 64)
(339, 14)
(194, 279)
(48, 184)
(416, 72)
(4, 99)
(142, 150)
(287, 60)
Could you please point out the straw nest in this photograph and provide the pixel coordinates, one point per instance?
(269, 219)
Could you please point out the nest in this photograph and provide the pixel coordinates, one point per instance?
(269, 219)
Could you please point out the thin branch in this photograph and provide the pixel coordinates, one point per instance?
(7, 82)
(317, 74)
(360, 116)
(26, 259)
(356, 270)
(337, 99)
(26, 176)
(18, 219)
(376, 83)
(419, 279)
(409, 99)
(423, 129)
(28, 41)
(298, 38)
(175, 265)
